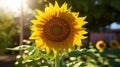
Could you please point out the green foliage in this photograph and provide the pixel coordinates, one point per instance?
(8, 30)
(33, 57)
(84, 57)
(115, 4)
(112, 54)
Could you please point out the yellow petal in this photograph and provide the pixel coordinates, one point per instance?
(75, 14)
(35, 35)
(54, 51)
(39, 43)
(50, 5)
(79, 22)
(78, 42)
(40, 12)
(56, 5)
(47, 50)
(34, 21)
(34, 28)
(64, 7)
(82, 32)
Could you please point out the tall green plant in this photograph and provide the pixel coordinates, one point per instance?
(8, 30)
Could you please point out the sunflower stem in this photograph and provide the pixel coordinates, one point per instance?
(57, 61)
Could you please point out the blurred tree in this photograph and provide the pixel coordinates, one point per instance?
(8, 29)
(99, 12)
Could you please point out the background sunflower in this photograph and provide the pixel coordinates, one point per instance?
(101, 45)
(114, 44)
(57, 28)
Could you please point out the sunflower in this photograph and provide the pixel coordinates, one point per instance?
(57, 28)
(101, 45)
(114, 44)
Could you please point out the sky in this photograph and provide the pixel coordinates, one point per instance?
(13, 5)
(115, 25)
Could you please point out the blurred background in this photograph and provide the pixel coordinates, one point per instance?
(103, 17)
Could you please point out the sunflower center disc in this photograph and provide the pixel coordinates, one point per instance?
(114, 44)
(56, 29)
(101, 45)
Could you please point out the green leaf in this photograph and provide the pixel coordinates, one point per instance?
(72, 64)
(111, 53)
(113, 63)
(22, 47)
(77, 52)
(33, 55)
(82, 65)
(20, 64)
(51, 55)
(91, 54)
